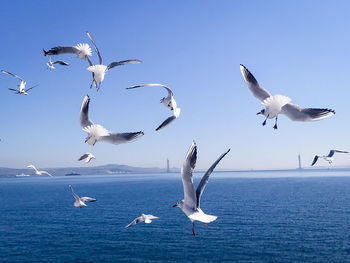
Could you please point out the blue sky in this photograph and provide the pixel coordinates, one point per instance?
(295, 48)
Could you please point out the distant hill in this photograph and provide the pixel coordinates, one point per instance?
(95, 170)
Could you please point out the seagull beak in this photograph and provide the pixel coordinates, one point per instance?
(259, 113)
(175, 205)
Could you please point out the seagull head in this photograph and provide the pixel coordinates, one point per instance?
(261, 112)
(179, 204)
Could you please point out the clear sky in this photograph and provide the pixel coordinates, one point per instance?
(295, 48)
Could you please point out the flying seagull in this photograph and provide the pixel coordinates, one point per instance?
(80, 201)
(190, 205)
(22, 85)
(329, 158)
(83, 51)
(38, 172)
(50, 64)
(100, 70)
(143, 218)
(279, 104)
(87, 156)
(168, 102)
(98, 133)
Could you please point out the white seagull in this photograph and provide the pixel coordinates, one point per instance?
(168, 102)
(100, 70)
(87, 156)
(329, 158)
(143, 218)
(98, 133)
(22, 85)
(38, 172)
(279, 104)
(80, 201)
(50, 64)
(190, 205)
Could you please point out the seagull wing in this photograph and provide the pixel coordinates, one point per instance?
(203, 183)
(295, 113)
(253, 84)
(31, 88)
(13, 89)
(314, 160)
(332, 152)
(123, 62)
(33, 167)
(61, 63)
(84, 113)
(74, 194)
(170, 93)
(135, 221)
(166, 122)
(11, 74)
(119, 138)
(187, 176)
(44, 172)
(88, 199)
(83, 157)
(97, 51)
(61, 50)
(151, 217)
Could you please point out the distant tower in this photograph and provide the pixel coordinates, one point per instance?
(167, 166)
(299, 161)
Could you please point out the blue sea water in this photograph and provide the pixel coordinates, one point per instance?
(262, 217)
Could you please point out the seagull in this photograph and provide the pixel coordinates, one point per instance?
(168, 102)
(100, 70)
(38, 172)
(143, 218)
(87, 156)
(50, 64)
(22, 85)
(279, 104)
(329, 158)
(80, 201)
(98, 133)
(83, 51)
(190, 205)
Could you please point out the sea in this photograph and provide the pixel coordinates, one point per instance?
(271, 216)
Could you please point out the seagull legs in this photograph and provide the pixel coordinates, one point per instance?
(206, 225)
(264, 123)
(275, 126)
(194, 234)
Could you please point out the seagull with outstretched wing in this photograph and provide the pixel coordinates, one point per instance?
(98, 133)
(329, 158)
(37, 172)
(143, 218)
(190, 205)
(22, 85)
(51, 63)
(100, 70)
(279, 104)
(87, 156)
(168, 102)
(80, 201)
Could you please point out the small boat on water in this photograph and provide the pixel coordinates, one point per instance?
(73, 174)
(22, 175)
